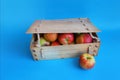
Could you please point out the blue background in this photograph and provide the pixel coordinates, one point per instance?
(16, 62)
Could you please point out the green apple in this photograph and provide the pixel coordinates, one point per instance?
(43, 42)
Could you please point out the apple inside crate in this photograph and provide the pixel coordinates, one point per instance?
(42, 48)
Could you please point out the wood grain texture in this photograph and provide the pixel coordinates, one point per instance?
(64, 51)
(77, 25)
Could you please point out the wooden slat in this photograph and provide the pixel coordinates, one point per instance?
(63, 26)
(60, 54)
(65, 47)
(65, 51)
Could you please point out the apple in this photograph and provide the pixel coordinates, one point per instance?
(87, 61)
(84, 38)
(66, 38)
(43, 42)
(55, 43)
(51, 37)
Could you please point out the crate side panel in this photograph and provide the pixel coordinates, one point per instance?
(66, 47)
(67, 51)
(61, 54)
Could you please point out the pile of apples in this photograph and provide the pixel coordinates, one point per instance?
(55, 39)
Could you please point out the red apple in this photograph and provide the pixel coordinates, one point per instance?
(84, 38)
(51, 37)
(87, 61)
(66, 38)
(55, 43)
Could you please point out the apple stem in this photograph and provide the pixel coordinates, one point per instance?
(88, 57)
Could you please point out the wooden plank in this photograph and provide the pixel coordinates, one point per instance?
(35, 50)
(65, 51)
(60, 54)
(63, 26)
(65, 47)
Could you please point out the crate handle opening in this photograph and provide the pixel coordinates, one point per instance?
(98, 40)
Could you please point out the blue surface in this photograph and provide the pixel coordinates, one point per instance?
(16, 62)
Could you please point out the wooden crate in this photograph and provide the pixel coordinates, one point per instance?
(78, 25)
